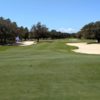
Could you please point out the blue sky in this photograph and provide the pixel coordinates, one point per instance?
(64, 15)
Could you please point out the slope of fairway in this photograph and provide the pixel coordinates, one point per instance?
(48, 71)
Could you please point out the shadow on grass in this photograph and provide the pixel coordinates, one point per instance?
(93, 42)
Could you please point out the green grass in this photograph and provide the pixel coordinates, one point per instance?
(48, 71)
(75, 40)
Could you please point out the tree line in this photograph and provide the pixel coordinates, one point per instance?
(90, 31)
(10, 30)
(40, 31)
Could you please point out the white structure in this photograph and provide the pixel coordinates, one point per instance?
(17, 39)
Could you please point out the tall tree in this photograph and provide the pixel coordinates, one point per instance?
(39, 31)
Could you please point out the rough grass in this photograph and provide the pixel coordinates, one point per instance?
(48, 71)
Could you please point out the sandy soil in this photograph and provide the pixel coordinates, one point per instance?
(86, 48)
(27, 43)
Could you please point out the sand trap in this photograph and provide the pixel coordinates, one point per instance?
(27, 43)
(86, 48)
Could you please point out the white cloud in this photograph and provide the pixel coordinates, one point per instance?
(68, 30)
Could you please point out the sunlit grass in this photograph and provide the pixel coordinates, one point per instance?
(48, 71)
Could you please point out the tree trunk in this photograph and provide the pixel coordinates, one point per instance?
(98, 40)
(37, 39)
(1, 40)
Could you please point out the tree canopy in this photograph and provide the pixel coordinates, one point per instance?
(90, 31)
(40, 31)
(9, 30)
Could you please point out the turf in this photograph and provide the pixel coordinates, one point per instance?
(48, 71)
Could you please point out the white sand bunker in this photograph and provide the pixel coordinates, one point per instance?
(86, 48)
(27, 43)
